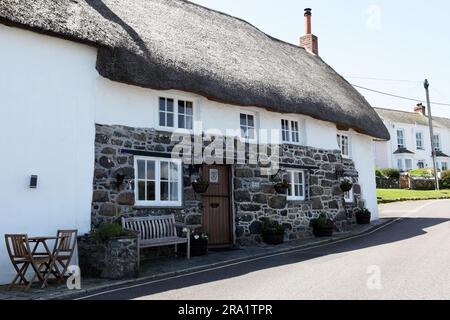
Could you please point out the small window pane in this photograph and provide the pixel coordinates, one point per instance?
(181, 106)
(151, 170)
(189, 124)
(251, 121)
(181, 122)
(173, 171)
(162, 119)
(141, 190)
(169, 105)
(151, 191)
(189, 108)
(174, 191)
(162, 104)
(243, 119)
(164, 171)
(243, 132)
(169, 120)
(141, 169)
(251, 133)
(164, 191)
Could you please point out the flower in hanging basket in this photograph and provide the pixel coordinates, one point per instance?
(200, 185)
(346, 185)
(282, 187)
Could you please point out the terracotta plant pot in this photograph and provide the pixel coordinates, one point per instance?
(323, 231)
(273, 238)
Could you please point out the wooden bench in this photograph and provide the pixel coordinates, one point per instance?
(157, 231)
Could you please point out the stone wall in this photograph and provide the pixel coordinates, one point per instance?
(253, 194)
(387, 183)
(255, 198)
(420, 183)
(114, 259)
(109, 201)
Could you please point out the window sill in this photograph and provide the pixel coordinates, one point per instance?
(157, 207)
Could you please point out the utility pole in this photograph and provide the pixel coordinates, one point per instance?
(430, 123)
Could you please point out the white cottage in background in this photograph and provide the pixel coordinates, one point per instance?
(410, 147)
(92, 90)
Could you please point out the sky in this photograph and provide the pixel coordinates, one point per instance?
(405, 41)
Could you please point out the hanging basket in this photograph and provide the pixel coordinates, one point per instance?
(281, 187)
(346, 186)
(200, 186)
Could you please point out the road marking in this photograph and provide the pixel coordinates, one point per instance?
(259, 258)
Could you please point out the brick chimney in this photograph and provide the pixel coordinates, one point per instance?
(309, 41)
(420, 108)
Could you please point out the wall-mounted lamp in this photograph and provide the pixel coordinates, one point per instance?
(33, 181)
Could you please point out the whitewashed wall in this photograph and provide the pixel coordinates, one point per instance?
(46, 128)
(51, 96)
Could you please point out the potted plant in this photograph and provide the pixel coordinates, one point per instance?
(346, 185)
(322, 226)
(363, 216)
(282, 187)
(199, 243)
(200, 185)
(272, 232)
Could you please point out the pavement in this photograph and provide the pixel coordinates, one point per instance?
(166, 267)
(405, 258)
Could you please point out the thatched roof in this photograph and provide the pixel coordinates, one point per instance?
(414, 118)
(175, 44)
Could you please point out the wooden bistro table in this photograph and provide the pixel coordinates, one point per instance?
(41, 243)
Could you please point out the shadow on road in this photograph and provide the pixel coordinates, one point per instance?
(401, 230)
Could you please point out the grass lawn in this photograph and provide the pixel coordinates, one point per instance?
(391, 194)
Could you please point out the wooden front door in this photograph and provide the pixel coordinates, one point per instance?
(217, 218)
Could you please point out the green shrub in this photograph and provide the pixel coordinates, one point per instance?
(391, 173)
(421, 173)
(107, 231)
(270, 226)
(445, 179)
(322, 221)
(378, 173)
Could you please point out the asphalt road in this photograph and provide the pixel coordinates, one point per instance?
(406, 259)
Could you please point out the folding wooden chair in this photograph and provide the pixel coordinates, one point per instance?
(21, 257)
(62, 253)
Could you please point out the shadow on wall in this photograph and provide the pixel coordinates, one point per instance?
(404, 229)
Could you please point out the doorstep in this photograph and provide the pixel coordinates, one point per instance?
(170, 266)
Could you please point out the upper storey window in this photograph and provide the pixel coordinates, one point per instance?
(176, 113)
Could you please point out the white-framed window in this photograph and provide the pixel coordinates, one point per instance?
(344, 144)
(290, 131)
(408, 164)
(437, 142)
(444, 166)
(297, 190)
(419, 141)
(401, 138)
(185, 114)
(158, 181)
(400, 164)
(247, 124)
(176, 113)
(421, 164)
